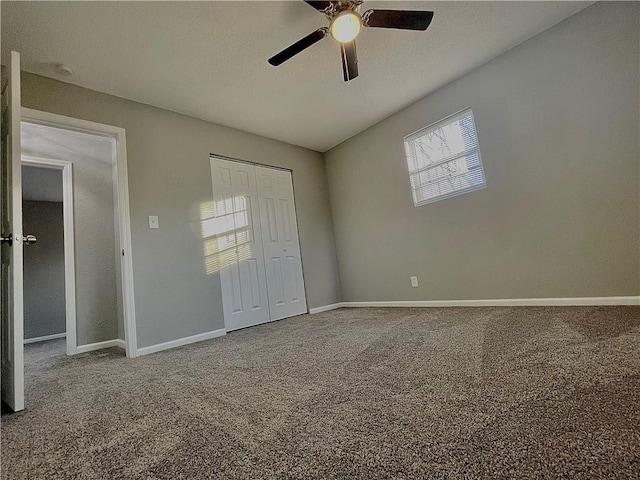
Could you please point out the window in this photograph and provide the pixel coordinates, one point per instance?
(444, 159)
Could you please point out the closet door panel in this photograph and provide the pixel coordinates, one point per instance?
(235, 239)
(285, 284)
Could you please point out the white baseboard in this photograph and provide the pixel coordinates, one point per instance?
(99, 345)
(325, 308)
(180, 342)
(504, 302)
(45, 338)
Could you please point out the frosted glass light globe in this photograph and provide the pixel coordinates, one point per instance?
(346, 26)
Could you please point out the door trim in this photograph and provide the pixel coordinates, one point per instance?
(69, 242)
(122, 186)
(249, 162)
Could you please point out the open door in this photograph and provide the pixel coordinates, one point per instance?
(11, 284)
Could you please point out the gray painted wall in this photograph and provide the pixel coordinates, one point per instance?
(94, 235)
(44, 302)
(558, 122)
(169, 176)
(41, 184)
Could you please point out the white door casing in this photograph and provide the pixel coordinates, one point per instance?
(66, 169)
(124, 225)
(11, 279)
(283, 261)
(234, 238)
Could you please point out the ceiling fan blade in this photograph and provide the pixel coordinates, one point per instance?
(320, 6)
(403, 19)
(349, 60)
(297, 47)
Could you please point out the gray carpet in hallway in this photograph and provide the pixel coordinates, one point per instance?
(525, 392)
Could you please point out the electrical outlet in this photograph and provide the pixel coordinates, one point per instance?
(414, 281)
(153, 221)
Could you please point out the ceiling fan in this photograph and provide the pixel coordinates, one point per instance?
(346, 23)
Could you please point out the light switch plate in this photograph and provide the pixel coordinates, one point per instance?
(153, 221)
(414, 281)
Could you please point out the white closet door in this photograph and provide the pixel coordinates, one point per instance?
(283, 263)
(236, 244)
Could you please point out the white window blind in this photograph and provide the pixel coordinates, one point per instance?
(444, 159)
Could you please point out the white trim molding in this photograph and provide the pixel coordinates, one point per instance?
(69, 249)
(505, 302)
(44, 338)
(325, 308)
(90, 347)
(181, 341)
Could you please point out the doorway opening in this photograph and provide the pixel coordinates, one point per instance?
(45, 313)
(96, 267)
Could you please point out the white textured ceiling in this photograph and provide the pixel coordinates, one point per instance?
(209, 59)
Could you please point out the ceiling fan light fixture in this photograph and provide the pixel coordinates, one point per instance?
(346, 26)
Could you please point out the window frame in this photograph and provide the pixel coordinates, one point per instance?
(408, 139)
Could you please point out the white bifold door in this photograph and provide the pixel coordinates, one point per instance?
(283, 263)
(256, 247)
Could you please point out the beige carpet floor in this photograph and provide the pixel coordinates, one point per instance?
(459, 393)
